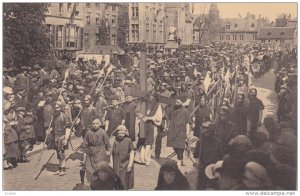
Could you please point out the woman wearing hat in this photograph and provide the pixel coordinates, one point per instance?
(170, 178)
(106, 178)
(123, 157)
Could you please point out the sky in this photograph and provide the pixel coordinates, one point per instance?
(267, 10)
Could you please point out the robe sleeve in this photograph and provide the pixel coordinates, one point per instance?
(157, 118)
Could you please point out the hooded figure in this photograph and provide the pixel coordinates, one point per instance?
(170, 178)
(106, 178)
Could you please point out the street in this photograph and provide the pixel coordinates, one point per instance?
(22, 177)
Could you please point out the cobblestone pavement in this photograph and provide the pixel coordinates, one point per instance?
(22, 177)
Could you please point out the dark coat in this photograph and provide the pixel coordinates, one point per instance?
(177, 129)
(180, 182)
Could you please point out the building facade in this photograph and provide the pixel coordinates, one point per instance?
(146, 23)
(150, 22)
(279, 35)
(100, 21)
(65, 27)
(179, 15)
(239, 29)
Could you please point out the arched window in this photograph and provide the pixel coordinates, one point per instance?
(252, 25)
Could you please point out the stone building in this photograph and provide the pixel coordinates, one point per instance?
(65, 27)
(179, 15)
(146, 23)
(150, 22)
(100, 25)
(280, 35)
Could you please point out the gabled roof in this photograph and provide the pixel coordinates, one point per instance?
(276, 33)
(239, 25)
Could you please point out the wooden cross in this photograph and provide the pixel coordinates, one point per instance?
(142, 92)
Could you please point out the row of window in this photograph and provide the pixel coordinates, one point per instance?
(67, 35)
(113, 39)
(88, 5)
(106, 7)
(88, 19)
(235, 37)
(228, 26)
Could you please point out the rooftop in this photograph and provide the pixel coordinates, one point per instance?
(276, 33)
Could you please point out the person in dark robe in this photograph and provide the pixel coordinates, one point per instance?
(114, 117)
(170, 178)
(106, 178)
(240, 115)
(207, 151)
(178, 130)
(87, 115)
(130, 116)
(254, 109)
(123, 157)
(97, 148)
(201, 115)
(225, 128)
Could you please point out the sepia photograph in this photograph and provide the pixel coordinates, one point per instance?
(149, 96)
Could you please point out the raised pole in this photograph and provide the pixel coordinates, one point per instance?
(143, 87)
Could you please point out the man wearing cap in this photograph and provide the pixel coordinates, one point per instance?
(178, 129)
(62, 132)
(87, 115)
(207, 151)
(254, 109)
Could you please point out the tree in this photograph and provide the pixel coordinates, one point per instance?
(24, 34)
(123, 24)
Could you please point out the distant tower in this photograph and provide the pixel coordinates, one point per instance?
(214, 19)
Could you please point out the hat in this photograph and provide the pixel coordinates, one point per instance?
(19, 109)
(239, 145)
(232, 167)
(257, 171)
(36, 66)
(210, 170)
(207, 124)
(7, 105)
(8, 90)
(253, 91)
(87, 97)
(121, 128)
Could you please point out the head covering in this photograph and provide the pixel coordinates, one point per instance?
(258, 172)
(7, 90)
(121, 128)
(232, 167)
(210, 170)
(7, 105)
(239, 145)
